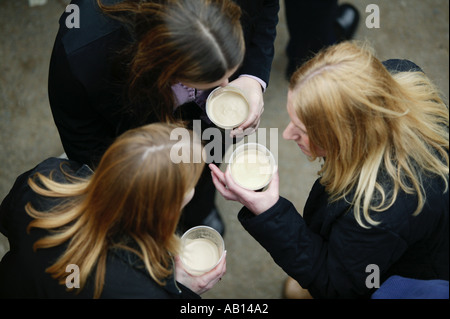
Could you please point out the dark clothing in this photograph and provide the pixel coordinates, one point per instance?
(22, 271)
(328, 252)
(85, 93)
(259, 20)
(311, 26)
(397, 287)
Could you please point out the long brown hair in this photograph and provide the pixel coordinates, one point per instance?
(197, 41)
(136, 192)
(368, 120)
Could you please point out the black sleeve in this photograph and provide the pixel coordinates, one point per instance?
(259, 21)
(84, 131)
(330, 263)
(282, 231)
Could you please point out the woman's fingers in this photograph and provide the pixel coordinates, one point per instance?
(220, 183)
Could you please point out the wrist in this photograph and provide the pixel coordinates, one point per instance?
(263, 206)
(261, 83)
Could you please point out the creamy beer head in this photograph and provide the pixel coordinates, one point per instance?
(202, 248)
(227, 107)
(252, 166)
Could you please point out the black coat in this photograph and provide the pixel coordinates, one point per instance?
(22, 271)
(327, 252)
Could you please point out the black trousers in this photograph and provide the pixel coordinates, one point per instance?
(311, 26)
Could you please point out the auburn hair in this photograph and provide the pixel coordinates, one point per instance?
(196, 41)
(136, 193)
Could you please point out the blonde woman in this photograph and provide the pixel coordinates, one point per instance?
(115, 226)
(380, 205)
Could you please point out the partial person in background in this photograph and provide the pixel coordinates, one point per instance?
(117, 225)
(315, 24)
(382, 196)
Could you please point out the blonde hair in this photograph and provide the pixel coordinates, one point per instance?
(369, 121)
(136, 191)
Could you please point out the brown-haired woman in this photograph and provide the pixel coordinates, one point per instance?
(137, 62)
(116, 226)
(127, 63)
(381, 200)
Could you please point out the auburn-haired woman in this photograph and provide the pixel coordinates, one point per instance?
(381, 201)
(115, 228)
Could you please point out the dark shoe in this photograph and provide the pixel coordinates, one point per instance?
(215, 221)
(346, 22)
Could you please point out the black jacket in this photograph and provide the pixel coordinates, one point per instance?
(86, 83)
(328, 253)
(22, 270)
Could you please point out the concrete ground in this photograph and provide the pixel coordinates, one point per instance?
(412, 29)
